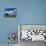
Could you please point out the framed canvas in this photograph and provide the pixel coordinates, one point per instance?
(10, 12)
(32, 32)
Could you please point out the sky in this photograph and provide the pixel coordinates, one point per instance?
(10, 10)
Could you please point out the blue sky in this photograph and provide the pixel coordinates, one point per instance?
(10, 10)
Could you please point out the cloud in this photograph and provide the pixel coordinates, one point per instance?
(11, 12)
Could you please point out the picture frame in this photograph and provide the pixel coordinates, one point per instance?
(10, 12)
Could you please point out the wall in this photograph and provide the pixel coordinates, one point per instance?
(33, 12)
(28, 12)
(7, 25)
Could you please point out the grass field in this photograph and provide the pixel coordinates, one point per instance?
(10, 15)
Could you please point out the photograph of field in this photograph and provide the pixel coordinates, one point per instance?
(10, 12)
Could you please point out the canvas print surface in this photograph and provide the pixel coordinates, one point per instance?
(33, 32)
(10, 12)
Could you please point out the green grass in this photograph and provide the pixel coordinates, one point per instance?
(10, 15)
